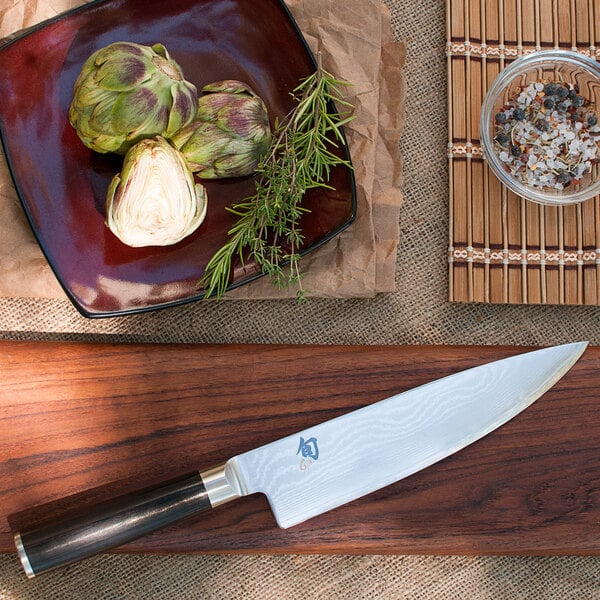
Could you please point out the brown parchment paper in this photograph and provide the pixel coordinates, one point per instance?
(355, 39)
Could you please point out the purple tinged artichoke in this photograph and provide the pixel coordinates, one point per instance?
(127, 92)
(230, 133)
(154, 200)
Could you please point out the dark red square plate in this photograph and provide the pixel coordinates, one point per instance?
(62, 184)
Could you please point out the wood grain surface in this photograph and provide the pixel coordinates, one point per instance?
(90, 420)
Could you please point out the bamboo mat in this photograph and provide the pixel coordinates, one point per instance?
(502, 248)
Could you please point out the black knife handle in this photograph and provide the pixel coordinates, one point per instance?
(111, 524)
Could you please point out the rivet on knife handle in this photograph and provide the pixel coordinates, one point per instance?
(121, 520)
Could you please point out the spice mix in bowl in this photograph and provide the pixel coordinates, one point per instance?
(539, 128)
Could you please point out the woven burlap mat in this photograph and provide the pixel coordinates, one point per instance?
(417, 313)
(312, 578)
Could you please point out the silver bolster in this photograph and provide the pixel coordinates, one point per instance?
(23, 556)
(217, 486)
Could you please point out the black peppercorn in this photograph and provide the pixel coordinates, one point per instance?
(519, 114)
(502, 139)
(548, 103)
(564, 178)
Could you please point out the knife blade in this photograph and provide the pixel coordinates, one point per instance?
(322, 467)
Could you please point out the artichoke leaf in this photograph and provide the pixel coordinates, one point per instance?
(135, 111)
(231, 163)
(108, 143)
(184, 102)
(210, 105)
(161, 50)
(91, 97)
(231, 86)
(154, 201)
(242, 121)
(122, 74)
(102, 55)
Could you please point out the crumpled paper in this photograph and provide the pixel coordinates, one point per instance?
(356, 43)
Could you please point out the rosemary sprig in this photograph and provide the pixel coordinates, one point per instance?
(301, 156)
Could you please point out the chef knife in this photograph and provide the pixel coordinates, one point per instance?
(322, 467)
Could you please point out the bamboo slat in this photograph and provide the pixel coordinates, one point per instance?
(503, 249)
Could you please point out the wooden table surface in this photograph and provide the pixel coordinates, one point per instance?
(90, 420)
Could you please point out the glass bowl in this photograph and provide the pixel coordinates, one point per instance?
(539, 127)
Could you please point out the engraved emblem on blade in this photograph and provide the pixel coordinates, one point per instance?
(309, 450)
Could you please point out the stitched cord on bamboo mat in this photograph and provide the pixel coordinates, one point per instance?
(502, 248)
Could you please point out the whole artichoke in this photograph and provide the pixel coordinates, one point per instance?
(230, 134)
(154, 201)
(126, 92)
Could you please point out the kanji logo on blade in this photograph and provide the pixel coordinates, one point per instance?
(309, 450)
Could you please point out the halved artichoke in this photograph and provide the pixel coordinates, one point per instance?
(154, 200)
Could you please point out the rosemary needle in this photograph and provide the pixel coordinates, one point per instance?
(301, 156)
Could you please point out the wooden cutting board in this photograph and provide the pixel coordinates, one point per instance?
(78, 416)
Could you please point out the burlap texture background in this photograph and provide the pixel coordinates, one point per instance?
(416, 313)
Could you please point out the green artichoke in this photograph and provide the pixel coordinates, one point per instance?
(230, 134)
(126, 92)
(154, 201)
